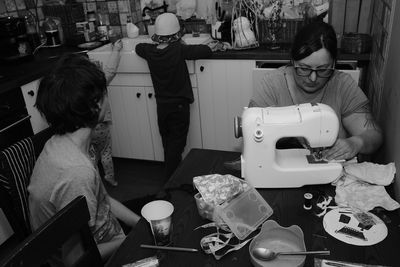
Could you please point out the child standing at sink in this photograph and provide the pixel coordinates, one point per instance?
(101, 137)
(173, 90)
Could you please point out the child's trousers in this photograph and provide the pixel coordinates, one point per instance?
(101, 141)
(173, 123)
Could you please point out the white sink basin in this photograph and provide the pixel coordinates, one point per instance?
(204, 38)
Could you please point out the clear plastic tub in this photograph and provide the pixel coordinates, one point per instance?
(245, 213)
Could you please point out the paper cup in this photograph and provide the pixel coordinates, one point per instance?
(158, 214)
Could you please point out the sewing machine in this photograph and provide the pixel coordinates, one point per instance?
(265, 166)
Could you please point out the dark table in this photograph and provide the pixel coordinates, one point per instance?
(287, 205)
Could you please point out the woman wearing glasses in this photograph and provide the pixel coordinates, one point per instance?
(311, 78)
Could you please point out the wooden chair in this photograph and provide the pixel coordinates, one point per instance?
(66, 234)
(16, 166)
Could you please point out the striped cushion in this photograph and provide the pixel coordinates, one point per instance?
(17, 162)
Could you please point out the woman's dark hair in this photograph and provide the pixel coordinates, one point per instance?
(311, 38)
(68, 96)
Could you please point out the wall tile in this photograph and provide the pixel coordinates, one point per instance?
(91, 6)
(114, 19)
(123, 18)
(102, 7)
(29, 4)
(123, 6)
(137, 16)
(20, 4)
(3, 8)
(10, 5)
(112, 7)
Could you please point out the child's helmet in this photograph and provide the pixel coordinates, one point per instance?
(167, 25)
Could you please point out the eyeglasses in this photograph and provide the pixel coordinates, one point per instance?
(306, 72)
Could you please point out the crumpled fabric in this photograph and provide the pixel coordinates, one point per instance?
(216, 45)
(216, 189)
(362, 186)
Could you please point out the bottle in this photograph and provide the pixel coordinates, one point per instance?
(31, 31)
(91, 18)
(102, 27)
(131, 29)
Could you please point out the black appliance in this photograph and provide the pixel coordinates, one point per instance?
(15, 121)
(14, 40)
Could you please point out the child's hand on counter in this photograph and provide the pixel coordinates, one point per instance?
(117, 45)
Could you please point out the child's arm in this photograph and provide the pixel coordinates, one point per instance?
(123, 213)
(192, 52)
(140, 49)
(113, 61)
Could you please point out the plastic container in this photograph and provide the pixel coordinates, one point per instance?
(245, 213)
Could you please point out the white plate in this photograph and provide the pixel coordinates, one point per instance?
(374, 235)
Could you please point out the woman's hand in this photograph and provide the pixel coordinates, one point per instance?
(344, 149)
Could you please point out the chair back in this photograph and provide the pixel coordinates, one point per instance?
(65, 230)
(16, 166)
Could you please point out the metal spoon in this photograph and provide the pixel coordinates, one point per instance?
(266, 254)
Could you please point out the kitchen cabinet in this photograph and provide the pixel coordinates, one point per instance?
(225, 88)
(134, 118)
(29, 92)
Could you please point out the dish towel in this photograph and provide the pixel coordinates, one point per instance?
(362, 186)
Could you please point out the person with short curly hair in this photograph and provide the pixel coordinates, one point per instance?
(72, 98)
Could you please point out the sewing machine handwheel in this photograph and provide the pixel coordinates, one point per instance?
(238, 127)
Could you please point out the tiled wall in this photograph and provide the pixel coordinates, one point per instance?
(115, 11)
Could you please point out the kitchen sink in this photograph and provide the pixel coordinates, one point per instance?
(130, 62)
(204, 38)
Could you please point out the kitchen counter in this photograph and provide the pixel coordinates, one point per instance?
(15, 74)
(263, 53)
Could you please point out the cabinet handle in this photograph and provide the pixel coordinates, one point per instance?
(138, 95)
(201, 68)
(31, 93)
(150, 95)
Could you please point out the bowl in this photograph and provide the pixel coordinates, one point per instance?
(279, 239)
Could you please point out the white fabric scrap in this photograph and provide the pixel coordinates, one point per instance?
(362, 186)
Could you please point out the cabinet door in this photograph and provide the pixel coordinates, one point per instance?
(194, 135)
(131, 132)
(155, 134)
(29, 91)
(225, 88)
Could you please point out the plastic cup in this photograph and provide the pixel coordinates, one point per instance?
(158, 214)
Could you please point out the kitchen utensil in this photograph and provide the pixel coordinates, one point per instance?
(278, 238)
(169, 248)
(267, 254)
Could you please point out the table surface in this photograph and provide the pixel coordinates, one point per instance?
(287, 205)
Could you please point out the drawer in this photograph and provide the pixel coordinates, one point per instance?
(140, 79)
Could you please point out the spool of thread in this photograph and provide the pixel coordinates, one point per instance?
(307, 201)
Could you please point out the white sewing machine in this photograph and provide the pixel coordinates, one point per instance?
(264, 166)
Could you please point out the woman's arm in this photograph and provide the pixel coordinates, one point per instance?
(123, 213)
(365, 136)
